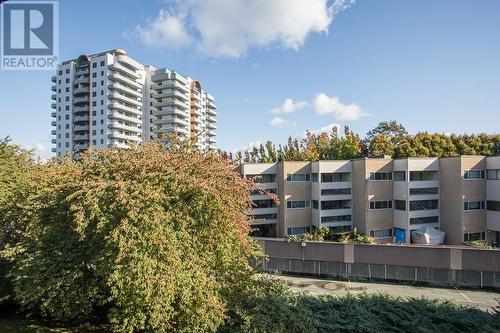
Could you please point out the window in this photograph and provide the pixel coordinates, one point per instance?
(314, 177)
(474, 205)
(474, 174)
(266, 178)
(334, 191)
(94, 94)
(67, 71)
(265, 217)
(93, 113)
(94, 84)
(332, 177)
(66, 135)
(399, 176)
(474, 236)
(67, 89)
(425, 190)
(60, 72)
(102, 63)
(297, 204)
(298, 177)
(494, 174)
(94, 65)
(66, 117)
(422, 220)
(263, 192)
(340, 218)
(94, 75)
(384, 204)
(423, 204)
(93, 133)
(315, 204)
(493, 205)
(298, 230)
(335, 204)
(381, 233)
(67, 144)
(380, 175)
(265, 203)
(400, 204)
(94, 142)
(94, 123)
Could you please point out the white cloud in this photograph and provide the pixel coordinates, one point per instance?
(289, 106)
(39, 151)
(166, 31)
(281, 122)
(323, 104)
(222, 28)
(324, 129)
(250, 146)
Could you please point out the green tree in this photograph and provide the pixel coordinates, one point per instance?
(381, 145)
(155, 236)
(15, 166)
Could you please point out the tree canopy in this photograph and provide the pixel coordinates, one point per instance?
(155, 237)
(387, 138)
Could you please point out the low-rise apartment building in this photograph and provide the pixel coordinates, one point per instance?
(382, 197)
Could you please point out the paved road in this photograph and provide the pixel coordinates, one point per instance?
(483, 299)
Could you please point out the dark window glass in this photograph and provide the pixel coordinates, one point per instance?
(423, 204)
(400, 204)
(427, 219)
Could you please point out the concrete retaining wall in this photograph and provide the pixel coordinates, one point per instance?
(438, 265)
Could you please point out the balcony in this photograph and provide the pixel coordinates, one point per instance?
(53, 123)
(53, 78)
(53, 132)
(124, 117)
(171, 94)
(260, 211)
(123, 107)
(53, 150)
(53, 88)
(53, 97)
(493, 220)
(125, 80)
(81, 128)
(173, 120)
(125, 89)
(211, 140)
(81, 146)
(117, 135)
(53, 114)
(117, 67)
(120, 125)
(54, 141)
(211, 111)
(171, 102)
(82, 80)
(263, 221)
(81, 137)
(172, 111)
(80, 109)
(171, 85)
(81, 91)
(81, 100)
(210, 98)
(53, 105)
(82, 71)
(121, 97)
(335, 212)
(78, 119)
(212, 126)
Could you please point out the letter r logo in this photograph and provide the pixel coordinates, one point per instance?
(28, 28)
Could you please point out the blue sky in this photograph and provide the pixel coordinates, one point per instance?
(432, 65)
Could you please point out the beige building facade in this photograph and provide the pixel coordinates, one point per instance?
(382, 197)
